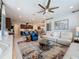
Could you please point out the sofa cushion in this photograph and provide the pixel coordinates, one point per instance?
(56, 34)
(60, 37)
(63, 41)
(66, 35)
(52, 35)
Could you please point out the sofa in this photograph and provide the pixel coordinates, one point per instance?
(64, 38)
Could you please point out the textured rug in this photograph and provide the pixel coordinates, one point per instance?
(31, 50)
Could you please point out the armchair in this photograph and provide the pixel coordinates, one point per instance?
(34, 36)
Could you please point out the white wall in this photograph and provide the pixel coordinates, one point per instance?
(73, 21)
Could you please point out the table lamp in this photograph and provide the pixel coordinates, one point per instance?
(77, 31)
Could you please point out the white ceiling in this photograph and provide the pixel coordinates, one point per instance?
(29, 8)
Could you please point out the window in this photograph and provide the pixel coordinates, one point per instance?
(48, 26)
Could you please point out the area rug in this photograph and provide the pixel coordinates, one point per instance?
(31, 50)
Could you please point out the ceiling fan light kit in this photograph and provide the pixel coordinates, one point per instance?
(47, 8)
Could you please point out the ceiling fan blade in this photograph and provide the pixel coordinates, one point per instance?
(48, 4)
(41, 6)
(40, 11)
(53, 8)
(75, 11)
(51, 11)
(44, 13)
(49, 18)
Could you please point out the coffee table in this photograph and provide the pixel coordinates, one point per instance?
(55, 52)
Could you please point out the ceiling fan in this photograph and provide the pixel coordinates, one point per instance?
(47, 8)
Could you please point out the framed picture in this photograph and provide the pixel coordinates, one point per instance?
(61, 25)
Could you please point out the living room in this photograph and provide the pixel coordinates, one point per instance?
(42, 29)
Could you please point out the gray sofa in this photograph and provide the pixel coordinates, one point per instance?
(64, 38)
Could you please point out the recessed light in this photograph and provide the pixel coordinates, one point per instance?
(18, 8)
(71, 7)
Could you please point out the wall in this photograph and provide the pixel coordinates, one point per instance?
(17, 30)
(34, 23)
(73, 21)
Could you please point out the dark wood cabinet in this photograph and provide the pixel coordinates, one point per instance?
(8, 23)
(25, 26)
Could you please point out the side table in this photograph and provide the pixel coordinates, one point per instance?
(76, 39)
